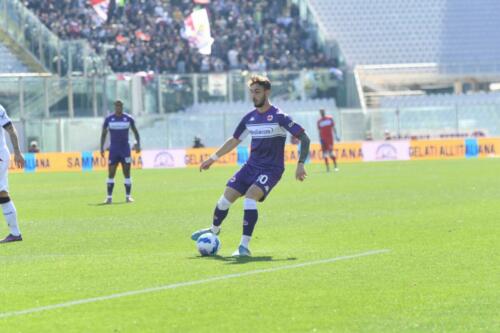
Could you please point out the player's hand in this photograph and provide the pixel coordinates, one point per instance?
(206, 164)
(19, 160)
(102, 153)
(300, 173)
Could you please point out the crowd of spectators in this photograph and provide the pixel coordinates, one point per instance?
(146, 35)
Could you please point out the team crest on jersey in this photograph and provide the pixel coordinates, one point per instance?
(252, 119)
(270, 117)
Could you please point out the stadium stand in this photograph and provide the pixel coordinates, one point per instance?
(146, 35)
(424, 31)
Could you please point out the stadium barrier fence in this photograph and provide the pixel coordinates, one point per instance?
(347, 152)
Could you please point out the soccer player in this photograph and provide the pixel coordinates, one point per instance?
(326, 128)
(267, 126)
(8, 208)
(118, 125)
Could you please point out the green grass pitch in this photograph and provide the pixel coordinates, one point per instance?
(439, 219)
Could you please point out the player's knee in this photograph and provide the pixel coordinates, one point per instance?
(223, 203)
(250, 204)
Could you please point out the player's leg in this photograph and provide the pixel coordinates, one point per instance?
(250, 217)
(235, 187)
(222, 207)
(126, 166)
(257, 192)
(111, 180)
(325, 157)
(220, 212)
(334, 159)
(8, 208)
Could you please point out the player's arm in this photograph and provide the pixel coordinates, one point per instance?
(334, 130)
(18, 156)
(137, 138)
(228, 146)
(103, 139)
(305, 142)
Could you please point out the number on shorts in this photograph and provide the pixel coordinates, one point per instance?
(263, 179)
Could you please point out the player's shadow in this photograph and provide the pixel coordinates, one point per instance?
(105, 204)
(244, 260)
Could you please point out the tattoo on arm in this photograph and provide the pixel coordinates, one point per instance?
(304, 147)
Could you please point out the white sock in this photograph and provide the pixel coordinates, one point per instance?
(10, 213)
(245, 240)
(223, 203)
(215, 229)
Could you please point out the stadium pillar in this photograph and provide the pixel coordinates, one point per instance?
(21, 97)
(230, 87)
(59, 57)
(40, 50)
(71, 110)
(159, 94)
(94, 96)
(195, 89)
(46, 110)
(61, 134)
(303, 96)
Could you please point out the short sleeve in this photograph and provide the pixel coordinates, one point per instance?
(287, 123)
(132, 121)
(241, 131)
(4, 117)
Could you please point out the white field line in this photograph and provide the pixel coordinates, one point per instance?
(186, 284)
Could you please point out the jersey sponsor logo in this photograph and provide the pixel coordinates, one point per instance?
(119, 125)
(325, 123)
(266, 130)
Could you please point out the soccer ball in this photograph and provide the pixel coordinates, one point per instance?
(208, 244)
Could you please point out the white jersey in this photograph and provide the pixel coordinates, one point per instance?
(4, 119)
(4, 151)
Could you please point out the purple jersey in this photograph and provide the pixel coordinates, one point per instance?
(268, 131)
(118, 131)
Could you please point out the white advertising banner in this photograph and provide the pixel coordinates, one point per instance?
(386, 150)
(164, 159)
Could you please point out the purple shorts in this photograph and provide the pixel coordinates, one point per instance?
(248, 175)
(116, 157)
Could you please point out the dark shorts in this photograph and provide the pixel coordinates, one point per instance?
(116, 157)
(248, 175)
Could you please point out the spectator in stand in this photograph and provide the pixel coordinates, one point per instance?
(33, 147)
(145, 35)
(197, 143)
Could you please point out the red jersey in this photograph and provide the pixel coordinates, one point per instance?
(325, 127)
